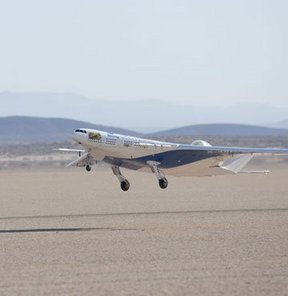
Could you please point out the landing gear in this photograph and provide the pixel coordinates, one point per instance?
(88, 162)
(124, 183)
(163, 183)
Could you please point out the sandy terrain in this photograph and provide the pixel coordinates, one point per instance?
(68, 232)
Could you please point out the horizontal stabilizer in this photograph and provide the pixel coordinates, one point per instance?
(79, 161)
(69, 150)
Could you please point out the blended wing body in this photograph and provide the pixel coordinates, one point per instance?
(197, 159)
(189, 160)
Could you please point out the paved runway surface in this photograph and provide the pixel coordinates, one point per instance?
(67, 232)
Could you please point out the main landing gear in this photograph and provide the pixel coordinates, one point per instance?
(163, 182)
(124, 183)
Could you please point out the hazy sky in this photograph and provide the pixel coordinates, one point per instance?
(200, 52)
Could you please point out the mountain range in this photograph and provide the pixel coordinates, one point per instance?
(280, 124)
(18, 129)
(145, 116)
(222, 129)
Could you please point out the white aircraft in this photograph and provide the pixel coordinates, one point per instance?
(198, 159)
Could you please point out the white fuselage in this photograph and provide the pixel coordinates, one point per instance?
(101, 144)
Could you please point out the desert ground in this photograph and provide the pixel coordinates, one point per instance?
(68, 232)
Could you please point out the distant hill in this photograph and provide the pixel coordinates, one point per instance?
(18, 129)
(223, 130)
(141, 115)
(280, 124)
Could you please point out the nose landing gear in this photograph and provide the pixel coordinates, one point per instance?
(88, 162)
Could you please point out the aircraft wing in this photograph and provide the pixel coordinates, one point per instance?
(235, 150)
(189, 160)
(238, 157)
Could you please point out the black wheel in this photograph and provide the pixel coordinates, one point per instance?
(88, 168)
(163, 183)
(125, 185)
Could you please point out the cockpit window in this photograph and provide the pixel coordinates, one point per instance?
(80, 131)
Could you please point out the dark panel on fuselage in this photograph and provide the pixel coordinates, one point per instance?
(167, 159)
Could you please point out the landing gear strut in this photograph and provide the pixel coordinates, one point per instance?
(124, 183)
(163, 182)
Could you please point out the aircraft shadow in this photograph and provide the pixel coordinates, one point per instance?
(138, 214)
(53, 230)
(82, 229)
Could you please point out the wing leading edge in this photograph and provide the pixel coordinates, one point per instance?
(235, 150)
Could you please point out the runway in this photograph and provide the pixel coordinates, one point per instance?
(66, 232)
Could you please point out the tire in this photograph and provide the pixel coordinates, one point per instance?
(88, 168)
(163, 183)
(125, 185)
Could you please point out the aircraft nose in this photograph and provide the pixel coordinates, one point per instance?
(79, 135)
(75, 137)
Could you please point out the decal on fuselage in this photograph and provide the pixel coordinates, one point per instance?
(95, 136)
